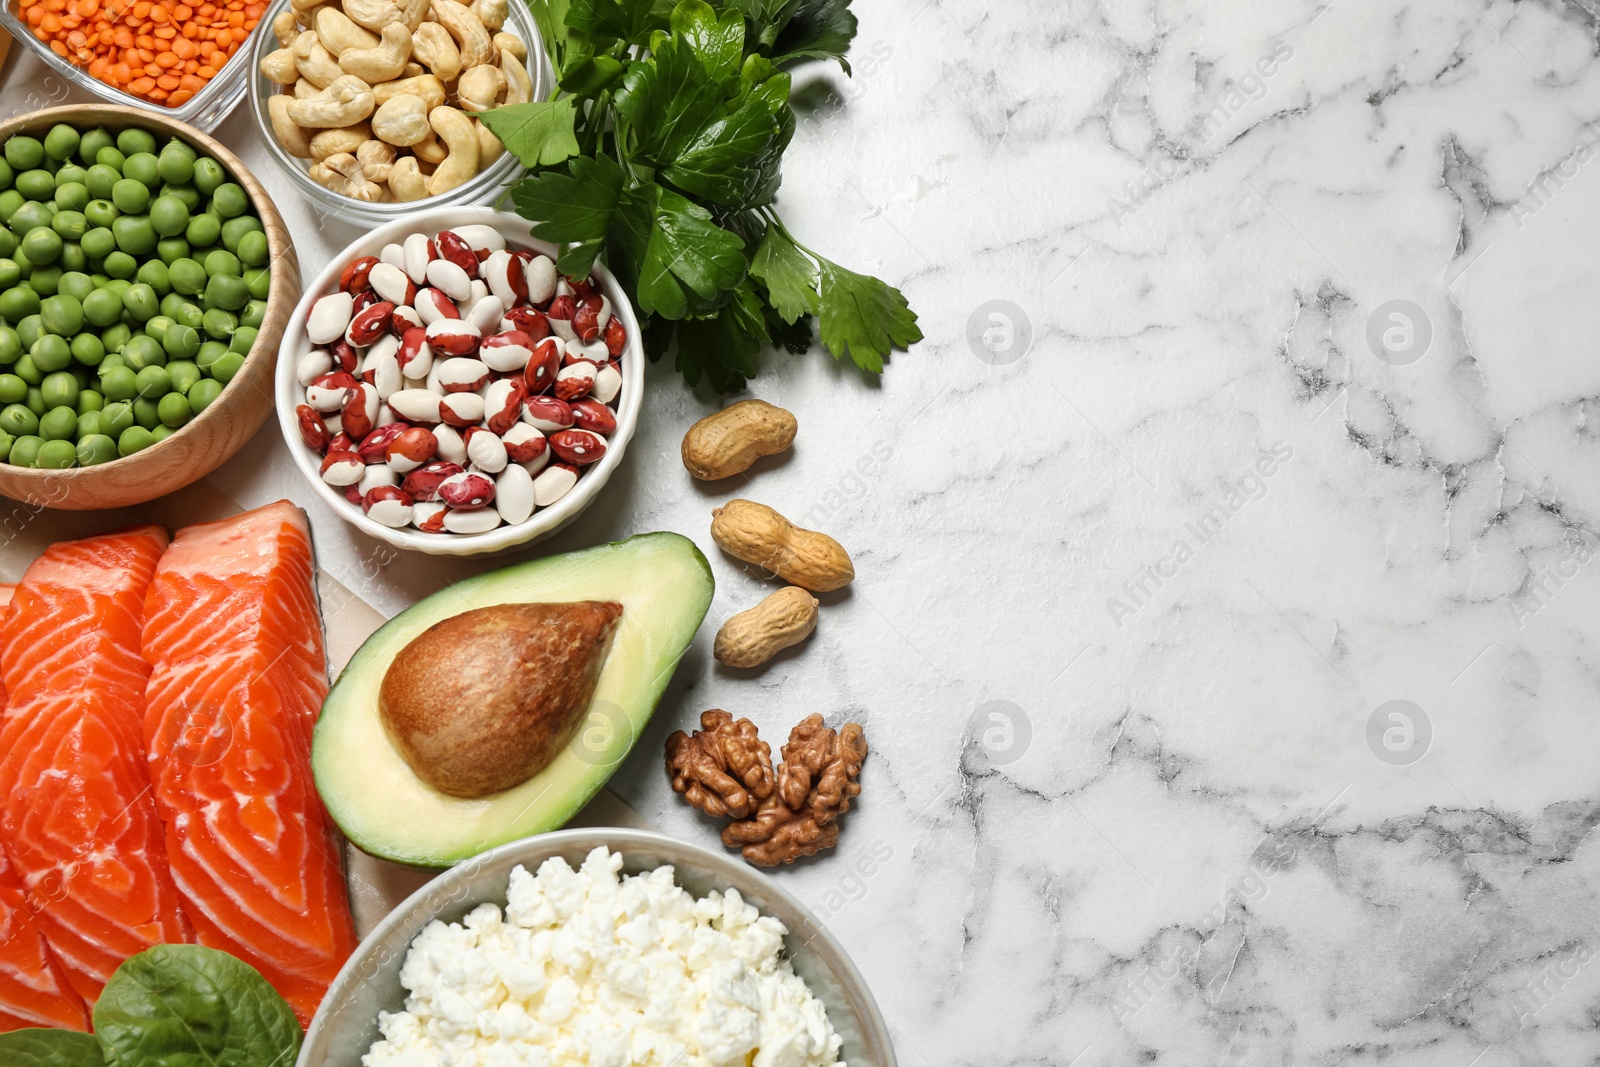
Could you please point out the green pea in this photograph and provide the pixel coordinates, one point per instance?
(219, 324)
(208, 176)
(6, 441)
(174, 410)
(36, 184)
(236, 229)
(11, 202)
(143, 168)
(10, 345)
(170, 303)
(143, 351)
(102, 308)
(116, 417)
(111, 157)
(13, 390)
(154, 274)
(154, 383)
(169, 216)
(190, 315)
(184, 375)
(7, 175)
(10, 273)
(24, 368)
(24, 152)
(252, 249)
(88, 423)
(120, 264)
(134, 140)
(162, 432)
(51, 353)
(187, 276)
(57, 455)
(90, 400)
(172, 249)
(92, 141)
(130, 195)
(20, 261)
(187, 195)
(226, 291)
(202, 393)
(209, 353)
(156, 328)
(69, 174)
(43, 245)
(115, 337)
(98, 243)
(244, 338)
(225, 368)
(181, 342)
(119, 383)
(141, 301)
(62, 314)
(29, 329)
(29, 216)
(60, 389)
(100, 180)
(25, 450)
(203, 230)
(58, 424)
(18, 303)
(134, 234)
(88, 349)
(8, 243)
(73, 196)
(45, 280)
(134, 439)
(223, 262)
(146, 412)
(96, 448)
(35, 402)
(70, 225)
(76, 284)
(17, 420)
(254, 314)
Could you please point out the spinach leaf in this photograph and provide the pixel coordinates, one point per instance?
(188, 1006)
(49, 1048)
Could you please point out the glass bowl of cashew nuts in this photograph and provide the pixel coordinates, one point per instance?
(366, 104)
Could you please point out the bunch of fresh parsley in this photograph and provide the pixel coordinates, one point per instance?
(661, 148)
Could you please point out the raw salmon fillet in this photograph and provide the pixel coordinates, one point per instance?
(238, 677)
(34, 990)
(76, 812)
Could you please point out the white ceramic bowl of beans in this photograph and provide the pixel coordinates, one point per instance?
(544, 521)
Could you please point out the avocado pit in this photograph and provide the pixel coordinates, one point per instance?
(482, 701)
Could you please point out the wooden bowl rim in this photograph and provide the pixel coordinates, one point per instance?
(280, 301)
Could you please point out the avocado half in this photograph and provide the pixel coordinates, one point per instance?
(664, 586)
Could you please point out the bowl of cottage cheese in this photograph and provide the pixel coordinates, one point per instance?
(605, 947)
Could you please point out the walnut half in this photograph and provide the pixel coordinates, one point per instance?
(724, 769)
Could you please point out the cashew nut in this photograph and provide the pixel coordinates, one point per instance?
(373, 14)
(401, 120)
(315, 63)
(460, 139)
(346, 102)
(279, 68)
(377, 160)
(519, 87)
(466, 28)
(413, 69)
(305, 90)
(489, 146)
(301, 6)
(335, 142)
(429, 151)
(510, 42)
(413, 12)
(492, 13)
(337, 32)
(294, 140)
(433, 45)
(284, 28)
(406, 181)
(429, 88)
(342, 174)
(382, 62)
(480, 87)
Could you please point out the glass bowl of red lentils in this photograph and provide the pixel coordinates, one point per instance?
(187, 60)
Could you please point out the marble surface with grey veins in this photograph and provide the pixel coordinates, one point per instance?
(1225, 630)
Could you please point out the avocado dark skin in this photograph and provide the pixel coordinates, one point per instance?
(484, 700)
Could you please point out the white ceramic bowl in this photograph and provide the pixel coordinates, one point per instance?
(543, 522)
(346, 1024)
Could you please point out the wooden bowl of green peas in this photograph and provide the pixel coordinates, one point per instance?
(145, 282)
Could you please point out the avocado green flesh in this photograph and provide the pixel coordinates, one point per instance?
(664, 586)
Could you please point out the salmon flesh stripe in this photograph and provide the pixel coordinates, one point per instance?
(238, 676)
(34, 990)
(77, 813)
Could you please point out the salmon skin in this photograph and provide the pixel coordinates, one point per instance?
(76, 811)
(238, 677)
(34, 990)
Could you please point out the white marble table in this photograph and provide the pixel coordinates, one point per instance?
(1144, 561)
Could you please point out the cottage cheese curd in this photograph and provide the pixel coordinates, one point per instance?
(586, 967)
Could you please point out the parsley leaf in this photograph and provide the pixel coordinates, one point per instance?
(550, 16)
(681, 245)
(789, 275)
(669, 101)
(719, 349)
(863, 316)
(721, 163)
(717, 40)
(623, 20)
(539, 133)
(815, 29)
